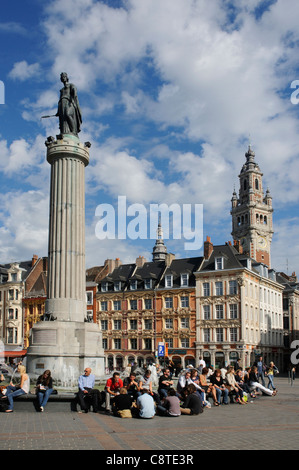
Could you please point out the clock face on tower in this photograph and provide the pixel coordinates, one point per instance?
(262, 242)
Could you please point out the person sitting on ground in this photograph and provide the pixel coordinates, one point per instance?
(192, 404)
(131, 384)
(208, 388)
(87, 392)
(113, 385)
(170, 405)
(233, 386)
(183, 381)
(145, 405)
(44, 388)
(165, 383)
(14, 391)
(220, 388)
(254, 383)
(122, 404)
(146, 383)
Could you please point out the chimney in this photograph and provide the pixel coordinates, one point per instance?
(140, 261)
(118, 262)
(34, 259)
(208, 248)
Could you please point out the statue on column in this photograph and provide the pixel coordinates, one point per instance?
(68, 112)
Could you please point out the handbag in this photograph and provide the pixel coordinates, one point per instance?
(125, 413)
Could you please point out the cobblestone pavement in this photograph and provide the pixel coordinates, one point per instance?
(269, 423)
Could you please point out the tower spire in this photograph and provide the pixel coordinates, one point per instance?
(159, 250)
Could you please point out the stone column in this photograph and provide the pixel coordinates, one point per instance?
(66, 343)
(66, 269)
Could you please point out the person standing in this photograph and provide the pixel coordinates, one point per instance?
(272, 369)
(44, 388)
(261, 367)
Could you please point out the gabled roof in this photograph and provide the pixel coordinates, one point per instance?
(184, 266)
(232, 258)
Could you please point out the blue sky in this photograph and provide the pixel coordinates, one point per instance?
(171, 93)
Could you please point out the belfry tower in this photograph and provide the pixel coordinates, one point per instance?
(252, 212)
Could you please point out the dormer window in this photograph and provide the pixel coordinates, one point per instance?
(104, 286)
(117, 286)
(168, 280)
(184, 280)
(147, 283)
(133, 284)
(219, 263)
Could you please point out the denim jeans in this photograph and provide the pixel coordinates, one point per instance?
(11, 393)
(43, 397)
(270, 383)
(223, 393)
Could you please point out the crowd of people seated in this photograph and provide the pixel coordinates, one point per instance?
(135, 397)
(194, 389)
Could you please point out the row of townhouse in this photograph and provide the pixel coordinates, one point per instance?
(223, 306)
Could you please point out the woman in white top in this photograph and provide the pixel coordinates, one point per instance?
(16, 391)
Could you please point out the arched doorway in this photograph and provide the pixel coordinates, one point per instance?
(207, 358)
(219, 360)
(119, 363)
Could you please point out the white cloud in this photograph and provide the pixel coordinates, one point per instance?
(23, 71)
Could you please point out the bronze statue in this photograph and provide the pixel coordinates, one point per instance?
(68, 112)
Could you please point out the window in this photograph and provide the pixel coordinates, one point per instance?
(185, 342)
(10, 314)
(11, 294)
(12, 335)
(117, 343)
(104, 325)
(219, 263)
(185, 322)
(184, 301)
(168, 323)
(232, 287)
(133, 324)
(206, 312)
(104, 286)
(206, 335)
(233, 311)
(168, 280)
(169, 341)
(104, 305)
(89, 298)
(219, 335)
(133, 343)
(184, 280)
(148, 304)
(147, 343)
(148, 324)
(117, 324)
(147, 283)
(219, 312)
(206, 289)
(117, 286)
(168, 302)
(14, 277)
(133, 304)
(233, 334)
(133, 284)
(104, 343)
(116, 304)
(219, 288)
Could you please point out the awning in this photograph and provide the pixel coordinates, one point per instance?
(20, 353)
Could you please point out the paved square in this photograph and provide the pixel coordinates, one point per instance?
(269, 423)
